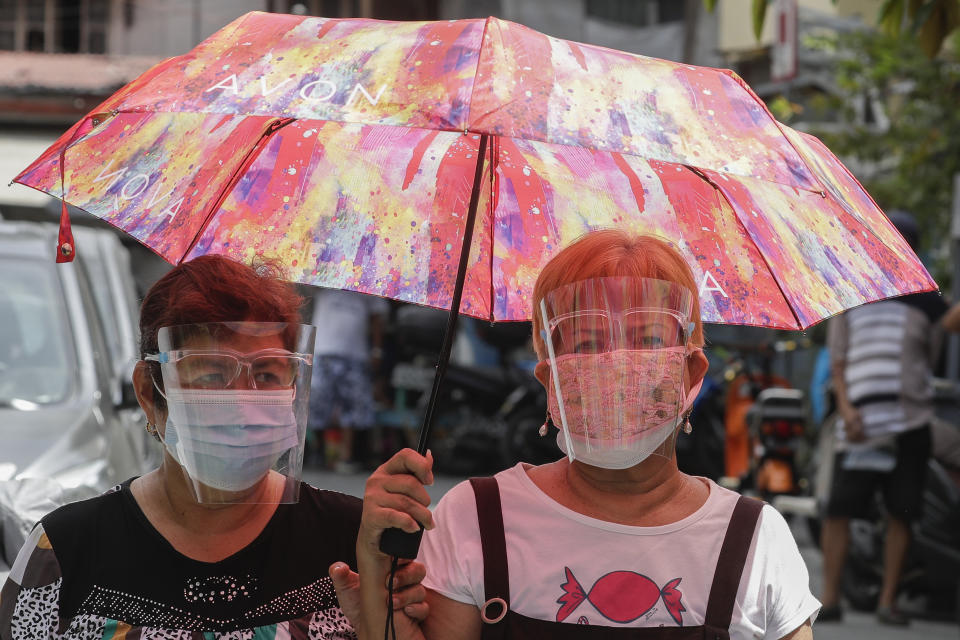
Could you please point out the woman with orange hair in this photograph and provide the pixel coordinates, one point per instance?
(611, 540)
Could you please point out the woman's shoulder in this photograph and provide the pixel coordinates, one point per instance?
(74, 517)
(771, 526)
(314, 498)
(321, 507)
(462, 495)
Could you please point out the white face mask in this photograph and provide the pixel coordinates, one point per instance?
(229, 439)
(621, 407)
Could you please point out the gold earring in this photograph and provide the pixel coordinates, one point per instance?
(153, 431)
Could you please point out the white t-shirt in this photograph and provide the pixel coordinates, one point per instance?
(342, 321)
(627, 576)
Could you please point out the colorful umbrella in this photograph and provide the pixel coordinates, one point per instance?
(347, 150)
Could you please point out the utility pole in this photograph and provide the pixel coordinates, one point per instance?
(691, 15)
(196, 22)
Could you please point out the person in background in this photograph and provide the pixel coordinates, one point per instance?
(346, 377)
(223, 539)
(612, 540)
(881, 361)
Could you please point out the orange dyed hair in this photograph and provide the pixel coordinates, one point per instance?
(609, 253)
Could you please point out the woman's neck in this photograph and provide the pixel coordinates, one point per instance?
(205, 532)
(652, 493)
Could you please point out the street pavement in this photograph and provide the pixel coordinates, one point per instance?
(855, 626)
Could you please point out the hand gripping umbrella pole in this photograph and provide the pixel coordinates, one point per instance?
(397, 542)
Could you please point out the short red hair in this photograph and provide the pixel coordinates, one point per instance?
(216, 289)
(609, 253)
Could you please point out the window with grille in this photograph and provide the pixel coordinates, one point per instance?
(54, 26)
(637, 13)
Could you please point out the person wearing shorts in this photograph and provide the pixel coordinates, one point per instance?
(881, 362)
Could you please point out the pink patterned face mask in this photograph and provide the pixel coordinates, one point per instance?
(619, 406)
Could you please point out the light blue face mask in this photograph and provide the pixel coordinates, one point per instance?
(230, 439)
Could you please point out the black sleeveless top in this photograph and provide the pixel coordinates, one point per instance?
(500, 623)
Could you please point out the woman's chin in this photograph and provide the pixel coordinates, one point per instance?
(257, 492)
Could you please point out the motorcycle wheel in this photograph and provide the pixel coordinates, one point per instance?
(863, 570)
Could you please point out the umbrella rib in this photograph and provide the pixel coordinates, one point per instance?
(838, 201)
(799, 325)
(736, 78)
(272, 127)
(476, 72)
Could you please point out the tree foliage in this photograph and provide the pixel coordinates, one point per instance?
(928, 22)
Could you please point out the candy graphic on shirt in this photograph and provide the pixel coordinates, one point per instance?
(621, 596)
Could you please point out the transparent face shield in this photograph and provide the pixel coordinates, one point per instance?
(617, 350)
(237, 400)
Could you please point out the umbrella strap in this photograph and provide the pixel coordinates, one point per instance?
(65, 242)
(66, 247)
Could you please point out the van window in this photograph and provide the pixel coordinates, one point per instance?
(106, 309)
(36, 352)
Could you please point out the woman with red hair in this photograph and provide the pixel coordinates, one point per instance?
(611, 540)
(222, 537)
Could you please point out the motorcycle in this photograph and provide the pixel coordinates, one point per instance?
(777, 425)
(765, 424)
(490, 406)
(749, 424)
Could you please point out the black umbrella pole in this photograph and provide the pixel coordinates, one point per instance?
(397, 542)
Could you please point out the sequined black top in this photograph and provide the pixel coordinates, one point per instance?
(98, 568)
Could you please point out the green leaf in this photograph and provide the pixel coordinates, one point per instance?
(891, 16)
(759, 15)
(710, 4)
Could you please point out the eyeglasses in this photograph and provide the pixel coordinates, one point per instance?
(267, 369)
(597, 331)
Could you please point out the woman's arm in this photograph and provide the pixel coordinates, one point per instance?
(451, 620)
(803, 632)
(951, 319)
(394, 497)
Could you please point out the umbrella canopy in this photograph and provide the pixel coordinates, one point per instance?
(347, 150)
